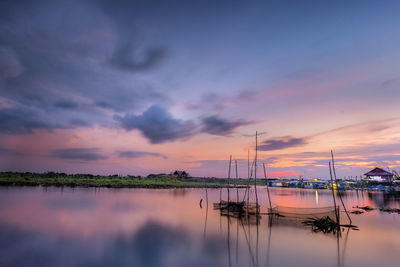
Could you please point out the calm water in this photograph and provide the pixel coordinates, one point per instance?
(141, 227)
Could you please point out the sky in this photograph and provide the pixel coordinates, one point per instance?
(139, 87)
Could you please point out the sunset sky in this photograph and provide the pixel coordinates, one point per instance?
(139, 87)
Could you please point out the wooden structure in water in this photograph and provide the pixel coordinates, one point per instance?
(240, 209)
(322, 219)
(237, 209)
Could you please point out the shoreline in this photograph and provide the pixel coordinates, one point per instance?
(113, 181)
(138, 186)
(160, 181)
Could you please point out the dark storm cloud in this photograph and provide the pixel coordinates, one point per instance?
(131, 53)
(281, 143)
(158, 125)
(139, 154)
(24, 121)
(54, 51)
(219, 126)
(87, 154)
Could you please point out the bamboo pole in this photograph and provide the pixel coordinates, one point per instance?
(237, 242)
(237, 189)
(269, 240)
(333, 194)
(257, 242)
(255, 175)
(248, 163)
(340, 197)
(229, 176)
(248, 176)
(205, 187)
(248, 183)
(266, 182)
(229, 240)
(205, 222)
(207, 196)
(247, 191)
(248, 243)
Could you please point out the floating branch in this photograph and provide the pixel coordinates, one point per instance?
(366, 208)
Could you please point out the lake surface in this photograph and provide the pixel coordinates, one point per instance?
(167, 227)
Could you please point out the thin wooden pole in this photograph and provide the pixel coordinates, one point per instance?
(205, 187)
(205, 222)
(269, 240)
(333, 194)
(248, 175)
(257, 242)
(248, 243)
(248, 183)
(229, 176)
(237, 242)
(229, 241)
(248, 163)
(340, 197)
(255, 175)
(237, 189)
(266, 182)
(247, 191)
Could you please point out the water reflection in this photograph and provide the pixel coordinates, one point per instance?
(384, 200)
(137, 227)
(253, 242)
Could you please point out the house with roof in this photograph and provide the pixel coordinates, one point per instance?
(180, 174)
(379, 175)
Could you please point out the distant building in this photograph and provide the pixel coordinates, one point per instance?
(379, 175)
(180, 174)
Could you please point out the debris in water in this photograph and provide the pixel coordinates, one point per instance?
(357, 212)
(366, 208)
(390, 210)
(326, 225)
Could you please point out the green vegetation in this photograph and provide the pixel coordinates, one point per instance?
(112, 181)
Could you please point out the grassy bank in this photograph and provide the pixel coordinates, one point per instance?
(112, 181)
